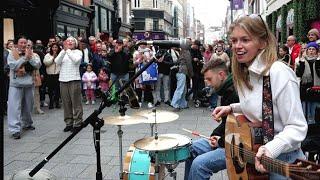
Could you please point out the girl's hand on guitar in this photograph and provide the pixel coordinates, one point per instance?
(262, 151)
(220, 111)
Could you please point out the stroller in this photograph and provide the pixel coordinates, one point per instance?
(203, 97)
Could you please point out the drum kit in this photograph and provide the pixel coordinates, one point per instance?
(148, 157)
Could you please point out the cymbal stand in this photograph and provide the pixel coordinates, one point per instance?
(156, 166)
(154, 110)
(172, 173)
(151, 126)
(122, 111)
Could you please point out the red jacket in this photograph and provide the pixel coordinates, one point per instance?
(295, 52)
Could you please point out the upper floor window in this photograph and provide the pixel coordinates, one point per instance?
(136, 3)
(155, 3)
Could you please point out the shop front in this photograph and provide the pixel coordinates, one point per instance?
(72, 20)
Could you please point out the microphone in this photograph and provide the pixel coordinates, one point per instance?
(183, 43)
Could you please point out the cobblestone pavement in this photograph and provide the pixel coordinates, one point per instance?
(77, 160)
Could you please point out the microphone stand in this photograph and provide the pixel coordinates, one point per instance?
(95, 122)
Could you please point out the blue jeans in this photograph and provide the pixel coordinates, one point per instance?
(204, 161)
(114, 77)
(289, 157)
(179, 97)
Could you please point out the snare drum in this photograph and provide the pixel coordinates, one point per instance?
(176, 154)
(138, 166)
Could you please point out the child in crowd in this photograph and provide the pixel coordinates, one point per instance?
(89, 78)
(103, 80)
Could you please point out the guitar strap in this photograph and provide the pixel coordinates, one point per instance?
(267, 111)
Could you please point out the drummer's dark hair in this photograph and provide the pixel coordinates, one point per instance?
(215, 64)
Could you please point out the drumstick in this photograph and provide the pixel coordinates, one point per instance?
(196, 133)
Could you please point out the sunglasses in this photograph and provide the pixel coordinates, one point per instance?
(257, 16)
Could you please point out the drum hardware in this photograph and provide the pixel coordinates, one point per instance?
(157, 116)
(177, 154)
(94, 121)
(172, 173)
(119, 121)
(152, 144)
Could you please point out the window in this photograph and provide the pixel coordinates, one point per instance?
(155, 24)
(155, 3)
(72, 31)
(139, 24)
(109, 20)
(103, 16)
(83, 32)
(136, 3)
(96, 19)
(60, 30)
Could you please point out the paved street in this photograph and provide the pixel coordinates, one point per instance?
(77, 160)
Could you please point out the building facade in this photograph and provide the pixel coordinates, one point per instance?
(152, 19)
(177, 15)
(73, 18)
(293, 17)
(199, 31)
(30, 18)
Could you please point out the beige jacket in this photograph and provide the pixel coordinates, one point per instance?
(51, 66)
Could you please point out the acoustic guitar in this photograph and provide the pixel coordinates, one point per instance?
(240, 155)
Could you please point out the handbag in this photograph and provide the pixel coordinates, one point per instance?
(150, 75)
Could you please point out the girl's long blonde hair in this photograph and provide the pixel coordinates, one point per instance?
(257, 29)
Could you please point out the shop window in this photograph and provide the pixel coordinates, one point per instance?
(77, 12)
(109, 20)
(65, 8)
(96, 19)
(83, 33)
(103, 16)
(72, 31)
(60, 30)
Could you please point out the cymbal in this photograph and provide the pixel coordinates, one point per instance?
(124, 120)
(160, 144)
(161, 115)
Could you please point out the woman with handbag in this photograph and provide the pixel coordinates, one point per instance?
(258, 76)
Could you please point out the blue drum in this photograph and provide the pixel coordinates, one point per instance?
(138, 166)
(176, 154)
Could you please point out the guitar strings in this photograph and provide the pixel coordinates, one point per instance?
(273, 163)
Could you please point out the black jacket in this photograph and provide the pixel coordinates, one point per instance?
(164, 66)
(228, 96)
(196, 65)
(119, 62)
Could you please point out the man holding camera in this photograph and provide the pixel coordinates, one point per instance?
(22, 61)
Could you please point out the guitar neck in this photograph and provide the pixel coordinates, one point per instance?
(272, 165)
